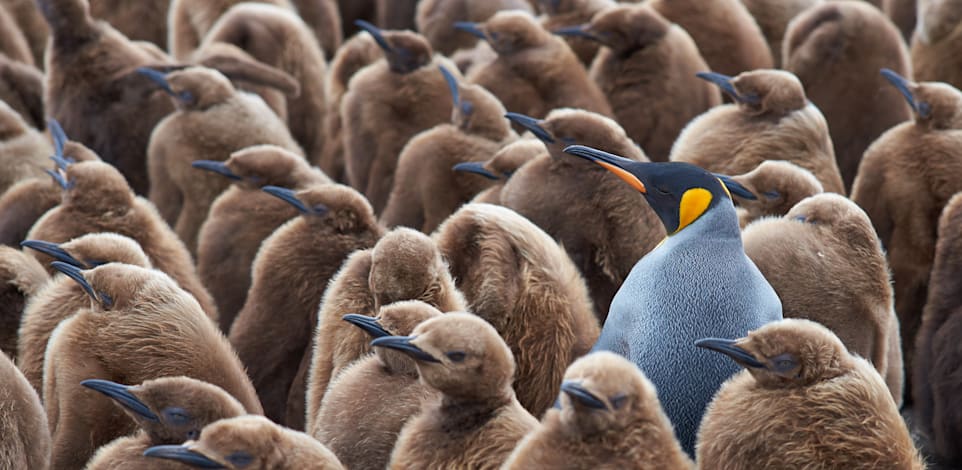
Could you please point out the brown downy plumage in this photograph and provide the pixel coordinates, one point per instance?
(777, 186)
(28, 17)
(369, 402)
(139, 326)
(387, 103)
(404, 265)
(227, 241)
(826, 264)
(478, 420)
(803, 402)
(188, 22)
(610, 417)
(324, 18)
(647, 71)
(21, 88)
(836, 49)
(435, 20)
(934, 385)
(396, 14)
(773, 16)
(613, 230)
(139, 21)
(26, 442)
(559, 14)
(535, 71)
(726, 34)
(288, 276)
(96, 198)
(905, 179)
(213, 120)
(13, 43)
(502, 165)
(515, 276)
(23, 150)
(353, 10)
(770, 119)
(425, 190)
(168, 410)
(902, 13)
(935, 42)
(278, 37)
(353, 55)
(249, 442)
(21, 277)
(61, 297)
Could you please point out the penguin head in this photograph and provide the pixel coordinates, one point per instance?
(116, 286)
(508, 32)
(678, 192)
(405, 265)
(506, 161)
(331, 207)
(94, 187)
(405, 51)
(247, 441)
(936, 105)
(779, 185)
(476, 111)
(762, 92)
(623, 28)
(193, 88)
(92, 250)
(257, 166)
(397, 319)
(566, 126)
(834, 217)
(788, 353)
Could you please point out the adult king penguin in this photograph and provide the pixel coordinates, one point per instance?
(698, 279)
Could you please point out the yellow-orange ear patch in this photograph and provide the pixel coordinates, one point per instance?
(693, 204)
(626, 176)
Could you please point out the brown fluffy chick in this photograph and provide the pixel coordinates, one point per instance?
(96, 198)
(515, 276)
(501, 166)
(770, 119)
(613, 231)
(21, 87)
(647, 71)
(778, 185)
(803, 401)
(478, 420)
(905, 179)
(435, 17)
(227, 241)
(288, 276)
(249, 443)
(773, 17)
(404, 265)
(140, 325)
(935, 41)
(23, 149)
(425, 190)
(826, 264)
(368, 403)
(562, 14)
(168, 410)
(609, 417)
(26, 442)
(535, 71)
(21, 277)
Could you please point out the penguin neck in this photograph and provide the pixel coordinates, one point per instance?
(718, 222)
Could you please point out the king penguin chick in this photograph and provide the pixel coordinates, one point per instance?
(614, 230)
(803, 401)
(13, 43)
(609, 417)
(836, 49)
(773, 17)
(905, 179)
(770, 119)
(227, 241)
(682, 290)
(386, 104)
(140, 21)
(168, 410)
(535, 71)
(404, 265)
(477, 421)
(647, 71)
(935, 41)
(288, 276)
(777, 186)
(368, 403)
(501, 166)
(21, 87)
(516, 277)
(26, 442)
(96, 198)
(249, 443)
(726, 34)
(23, 149)
(199, 129)
(826, 264)
(435, 17)
(189, 21)
(425, 190)
(140, 325)
(61, 297)
(564, 14)
(21, 278)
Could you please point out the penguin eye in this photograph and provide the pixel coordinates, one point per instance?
(240, 459)
(661, 190)
(186, 97)
(772, 194)
(618, 401)
(176, 416)
(193, 434)
(456, 356)
(784, 363)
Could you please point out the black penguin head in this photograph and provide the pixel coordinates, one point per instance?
(678, 192)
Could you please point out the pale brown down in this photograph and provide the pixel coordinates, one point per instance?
(777, 185)
(26, 442)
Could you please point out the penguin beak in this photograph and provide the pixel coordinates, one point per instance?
(288, 196)
(376, 33)
(730, 349)
(403, 344)
(471, 28)
(160, 78)
(905, 87)
(476, 168)
(531, 124)
(579, 31)
(121, 394)
(59, 178)
(216, 167)
(369, 324)
(735, 188)
(53, 250)
(578, 393)
(74, 273)
(183, 455)
(452, 84)
(59, 137)
(725, 83)
(610, 162)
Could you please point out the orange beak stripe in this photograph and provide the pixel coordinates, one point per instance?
(624, 175)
